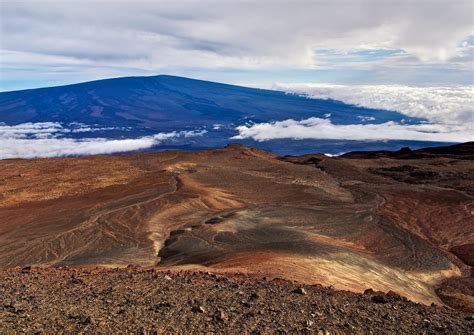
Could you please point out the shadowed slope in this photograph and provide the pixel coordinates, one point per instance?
(165, 102)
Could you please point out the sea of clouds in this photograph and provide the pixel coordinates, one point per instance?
(317, 128)
(52, 139)
(449, 113)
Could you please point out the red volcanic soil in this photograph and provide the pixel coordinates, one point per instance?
(390, 222)
(465, 252)
(148, 301)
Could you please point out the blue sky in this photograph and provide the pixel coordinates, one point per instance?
(257, 43)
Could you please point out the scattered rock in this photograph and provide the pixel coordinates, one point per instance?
(379, 299)
(246, 303)
(369, 291)
(214, 220)
(160, 306)
(198, 309)
(316, 314)
(394, 296)
(76, 281)
(300, 290)
(166, 277)
(81, 317)
(192, 303)
(221, 315)
(26, 269)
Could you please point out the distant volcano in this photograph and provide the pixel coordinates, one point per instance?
(135, 107)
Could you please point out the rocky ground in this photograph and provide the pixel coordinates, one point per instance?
(145, 300)
(369, 220)
(388, 221)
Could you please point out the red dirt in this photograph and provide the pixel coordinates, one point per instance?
(386, 223)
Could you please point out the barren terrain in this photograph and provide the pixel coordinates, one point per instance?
(148, 301)
(380, 221)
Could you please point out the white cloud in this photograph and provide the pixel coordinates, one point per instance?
(366, 118)
(38, 148)
(448, 105)
(26, 129)
(50, 129)
(316, 128)
(62, 38)
(36, 140)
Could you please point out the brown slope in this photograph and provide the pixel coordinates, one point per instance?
(333, 221)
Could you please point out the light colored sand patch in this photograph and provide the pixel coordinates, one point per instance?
(338, 242)
(195, 203)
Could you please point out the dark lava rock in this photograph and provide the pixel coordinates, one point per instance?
(26, 269)
(380, 299)
(214, 220)
(300, 290)
(254, 296)
(198, 309)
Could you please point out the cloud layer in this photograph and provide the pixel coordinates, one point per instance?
(77, 40)
(450, 105)
(316, 128)
(47, 139)
(449, 111)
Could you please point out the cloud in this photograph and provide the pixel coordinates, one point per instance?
(49, 129)
(61, 39)
(317, 128)
(46, 139)
(447, 104)
(42, 129)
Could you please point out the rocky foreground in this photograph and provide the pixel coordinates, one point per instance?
(141, 300)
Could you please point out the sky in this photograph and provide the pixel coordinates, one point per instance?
(258, 43)
(411, 56)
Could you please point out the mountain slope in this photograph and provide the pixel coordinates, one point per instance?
(167, 102)
(136, 107)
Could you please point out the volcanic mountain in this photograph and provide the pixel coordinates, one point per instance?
(168, 102)
(133, 107)
(391, 222)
